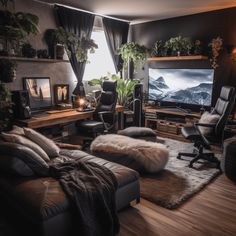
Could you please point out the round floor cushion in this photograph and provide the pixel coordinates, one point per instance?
(139, 132)
(140, 155)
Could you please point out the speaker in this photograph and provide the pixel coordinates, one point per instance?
(138, 92)
(21, 106)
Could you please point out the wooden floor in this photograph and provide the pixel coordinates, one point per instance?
(210, 212)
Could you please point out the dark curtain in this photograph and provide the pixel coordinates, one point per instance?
(116, 34)
(80, 23)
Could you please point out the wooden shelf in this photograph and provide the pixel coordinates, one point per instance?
(26, 59)
(180, 58)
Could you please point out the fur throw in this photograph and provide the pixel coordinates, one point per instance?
(153, 156)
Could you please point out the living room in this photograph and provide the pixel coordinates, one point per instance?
(125, 107)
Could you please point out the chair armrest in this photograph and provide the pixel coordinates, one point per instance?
(205, 125)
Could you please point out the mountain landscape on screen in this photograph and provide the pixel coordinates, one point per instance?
(181, 85)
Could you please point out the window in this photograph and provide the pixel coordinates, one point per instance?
(100, 62)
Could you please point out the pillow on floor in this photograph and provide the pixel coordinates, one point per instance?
(45, 143)
(14, 138)
(16, 159)
(126, 151)
(208, 118)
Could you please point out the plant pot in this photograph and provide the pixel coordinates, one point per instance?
(59, 51)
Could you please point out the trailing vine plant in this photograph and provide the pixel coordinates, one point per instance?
(216, 46)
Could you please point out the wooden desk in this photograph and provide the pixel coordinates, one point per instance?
(45, 119)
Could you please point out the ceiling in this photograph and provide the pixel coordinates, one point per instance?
(137, 11)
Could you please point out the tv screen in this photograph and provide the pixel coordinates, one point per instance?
(189, 86)
(39, 90)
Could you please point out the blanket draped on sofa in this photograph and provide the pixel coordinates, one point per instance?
(91, 189)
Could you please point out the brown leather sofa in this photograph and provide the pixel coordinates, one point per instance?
(39, 206)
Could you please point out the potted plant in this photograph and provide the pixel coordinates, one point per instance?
(6, 112)
(125, 87)
(177, 46)
(14, 27)
(158, 49)
(134, 53)
(8, 70)
(61, 38)
(28, 50)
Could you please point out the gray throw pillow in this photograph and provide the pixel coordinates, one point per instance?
(20, 160)
(45, 143)
(208, 118)
(137, 132)
(14, 138)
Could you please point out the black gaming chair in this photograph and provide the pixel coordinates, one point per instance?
(104, 117)
(223, 108)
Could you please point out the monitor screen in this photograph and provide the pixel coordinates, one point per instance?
(189, 86)
(39, 90)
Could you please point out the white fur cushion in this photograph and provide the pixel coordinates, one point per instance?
(45, 143)
(207, 118)
(153, 156)
(14, 138)
(16, 130)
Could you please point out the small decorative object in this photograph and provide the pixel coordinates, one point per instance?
(216, 47)
(197, 48)
(8, 70)
(61, 93)
(42, 53)
(28, 50)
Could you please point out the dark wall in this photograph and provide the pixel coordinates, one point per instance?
(205, 27)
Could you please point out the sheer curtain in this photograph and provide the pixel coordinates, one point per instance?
(80, 23)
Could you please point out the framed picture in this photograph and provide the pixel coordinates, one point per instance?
(39, 89)
(61, 93)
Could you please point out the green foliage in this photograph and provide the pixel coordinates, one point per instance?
(17, 25)
(179, 44)
(7, 68)
(125, 87)
(5, 2)
(157, 48)
(81, 46)
(5, 108)
(133, 52)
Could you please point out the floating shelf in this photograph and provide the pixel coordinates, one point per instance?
(26, 59)
(180, 58)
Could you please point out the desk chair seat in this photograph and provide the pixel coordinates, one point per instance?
(223, 109)
(104, 117)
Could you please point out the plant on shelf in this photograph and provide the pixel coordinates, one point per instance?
(158, 49)
(177, 46)
(216, 46)
(125, 87)
(132, 53)
(80, 45)
(6, 112)
(8, 70)
(15, 27)
(4, 3)
(28, 50)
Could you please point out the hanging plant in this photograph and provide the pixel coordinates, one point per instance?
(133, 52)
(8, 70)
(80, 45)
(216, 46)
(6, 112)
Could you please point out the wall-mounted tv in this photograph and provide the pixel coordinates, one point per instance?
(181, 86)
(39, 89)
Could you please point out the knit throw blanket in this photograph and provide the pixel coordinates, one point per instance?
(91, 189)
